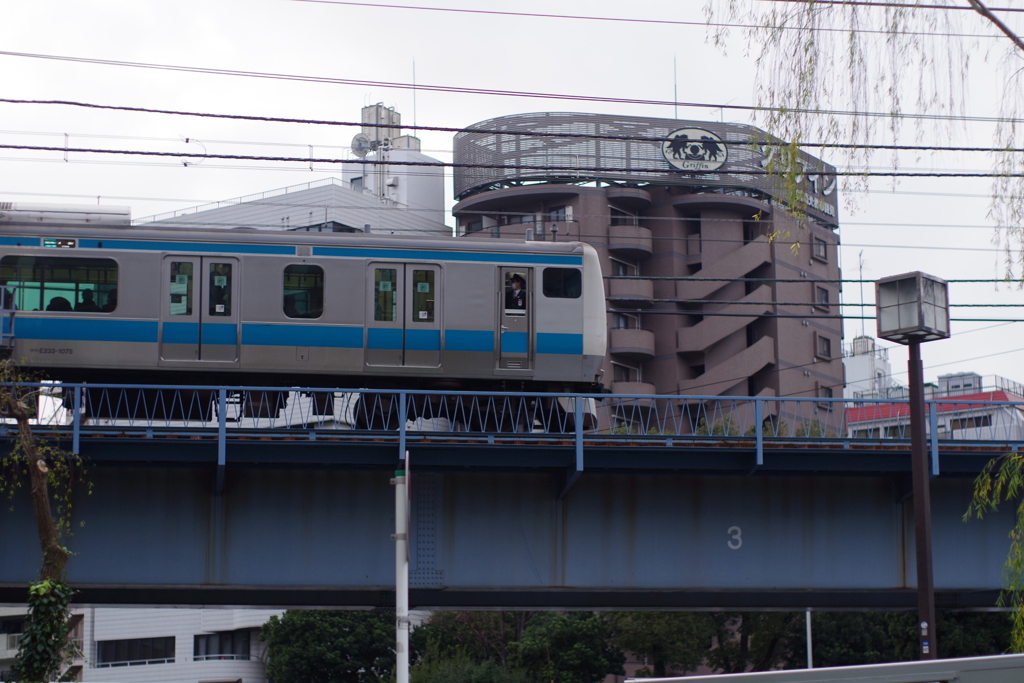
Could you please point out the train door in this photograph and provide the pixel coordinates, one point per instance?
(403, 317)
(515, 311)
(199, 310)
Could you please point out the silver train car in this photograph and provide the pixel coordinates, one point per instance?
(89, 299)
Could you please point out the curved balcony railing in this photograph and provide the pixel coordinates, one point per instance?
(631, 342)
(629, 240)
(635, 293)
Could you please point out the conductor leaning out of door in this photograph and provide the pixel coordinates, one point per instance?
(515, 298)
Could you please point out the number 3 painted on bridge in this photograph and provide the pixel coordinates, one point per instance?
(735, 537)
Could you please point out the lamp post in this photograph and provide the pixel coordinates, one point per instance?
(913, 308)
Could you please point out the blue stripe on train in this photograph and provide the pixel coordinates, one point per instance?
(514, 342)
(550, 342)
(302, 335)
(423, 340)
(377, 338)
(469, 340)
(186, 247)
(224, 334)
(486, 257)
(87, 330)
(20, 241)
(180, 333)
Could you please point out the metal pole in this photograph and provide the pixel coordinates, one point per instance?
(928, 642)
(401, 580)
(810, 649)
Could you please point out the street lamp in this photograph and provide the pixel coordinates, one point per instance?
(913, 308)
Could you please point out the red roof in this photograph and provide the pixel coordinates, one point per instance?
(883, 411)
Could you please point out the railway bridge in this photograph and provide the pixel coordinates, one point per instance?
(264, 496)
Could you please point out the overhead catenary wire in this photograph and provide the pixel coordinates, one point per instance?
(767, 141)
(675, 174)
(671, 22)
(498, 93)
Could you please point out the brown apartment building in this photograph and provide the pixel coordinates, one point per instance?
(712, 287)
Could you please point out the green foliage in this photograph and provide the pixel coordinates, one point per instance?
(725, 426)
(44, 649)
(674, 643)
(753, 641)
(464, 669)
(813, 428)
(566, 648)
(480, 636)
(1000, 481)
(330, 646)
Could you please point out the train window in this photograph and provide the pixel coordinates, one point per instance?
(181, 288)
(422, 296)
(220, 289)
(385, 306)
(515, 293)
(57, 283)
(303, 291)
(563, 283)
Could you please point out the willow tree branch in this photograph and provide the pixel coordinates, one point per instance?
(980, 8)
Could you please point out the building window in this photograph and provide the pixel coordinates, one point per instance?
(303, 291)
(825, 392)
(223, 645)
(135, 651)
(624, 373)
(474, 226)
(563, 283)
(819, 248)
(557, 214)
(357, 183)
(620, 217)
(515, 218)
(822, 346)
(623, 268)
(971, 422)
(821, 297)
(624, 321)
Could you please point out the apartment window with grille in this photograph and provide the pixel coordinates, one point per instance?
(135, 651)
(821, 297)
(624, 373)
(624, 321)
(223, 645)
(620, 217)
(819, 248)
(822, 346)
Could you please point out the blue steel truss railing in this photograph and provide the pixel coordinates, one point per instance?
(151, 411)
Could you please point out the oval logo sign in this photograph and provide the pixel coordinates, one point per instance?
(694, 149)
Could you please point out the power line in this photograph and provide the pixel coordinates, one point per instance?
(492, 92)
(769, 141)
(571, 170)
(701, 24)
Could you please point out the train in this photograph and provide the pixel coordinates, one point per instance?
(89, 298)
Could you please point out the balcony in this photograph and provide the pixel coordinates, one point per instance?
(629, 240)
(634, 343)
(628, 388)
(631, 293)
(715, 328)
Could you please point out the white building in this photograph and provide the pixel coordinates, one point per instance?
(169, 645)
(967, 407)
(868, 373)
(392, 189)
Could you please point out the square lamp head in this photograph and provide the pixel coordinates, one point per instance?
(912, 307)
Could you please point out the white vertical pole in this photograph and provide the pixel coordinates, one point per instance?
(810, 653)
(401, 579)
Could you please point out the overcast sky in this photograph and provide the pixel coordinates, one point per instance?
(937, 225)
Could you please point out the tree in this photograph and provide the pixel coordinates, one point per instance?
(1001, 481)
(841, 73)
(330, 646)
(464, 669)
(51, 473)
(673, 643)
(566, 648)
(753, 641)
(480, 636)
